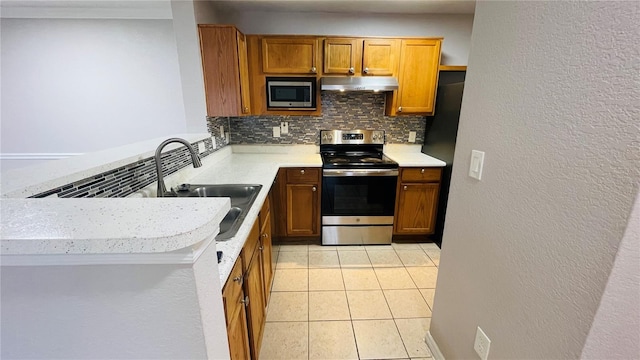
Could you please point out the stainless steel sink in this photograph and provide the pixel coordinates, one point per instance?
(242, 197)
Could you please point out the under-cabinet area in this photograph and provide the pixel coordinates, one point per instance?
(236, 66)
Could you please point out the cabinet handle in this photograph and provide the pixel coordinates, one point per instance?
(261, 248)
(264, 235)
(314, 189)
(302, 171)
(366, 70)
(313, 69)
(246, 109)
(352, 70)
(245, 301)
(405, 187)
(400, 109)
(238, 279)
(422, 171)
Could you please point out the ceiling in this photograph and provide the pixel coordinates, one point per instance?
(162, 8)
(351, 6)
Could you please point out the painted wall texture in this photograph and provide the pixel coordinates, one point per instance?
(552, 98)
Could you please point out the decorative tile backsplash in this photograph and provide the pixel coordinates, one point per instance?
(126, 180)
(342, 111)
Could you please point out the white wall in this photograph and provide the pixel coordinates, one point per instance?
(75, 86)
(456, 29)
(551, 96)
(114, 311)
(186, 17)
(101, 311)
(615, 332)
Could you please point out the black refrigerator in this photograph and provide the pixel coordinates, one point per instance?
(440, 137)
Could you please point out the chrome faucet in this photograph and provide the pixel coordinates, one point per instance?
(162, 189)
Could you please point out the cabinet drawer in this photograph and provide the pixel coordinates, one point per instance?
(421, 174)
(250, 246)
(232, 291)
(303, 175)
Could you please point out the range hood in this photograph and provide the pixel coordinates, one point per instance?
(364, 83)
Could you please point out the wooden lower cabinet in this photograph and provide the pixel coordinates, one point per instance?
(254, 288)
(234, 304)
(268, 265)
(417, 201)
(246, 293)
(302, 209)
(296, 208)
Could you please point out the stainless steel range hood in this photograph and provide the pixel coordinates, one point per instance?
(364, 83)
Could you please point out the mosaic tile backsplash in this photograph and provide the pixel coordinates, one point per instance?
(342, 111)
(126, 180)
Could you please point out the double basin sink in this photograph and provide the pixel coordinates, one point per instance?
(242, 197)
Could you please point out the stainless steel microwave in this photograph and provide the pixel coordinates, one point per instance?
(291, 93)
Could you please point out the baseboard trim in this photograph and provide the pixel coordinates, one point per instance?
(433, 346)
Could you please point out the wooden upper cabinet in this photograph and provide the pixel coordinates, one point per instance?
(361, 57)
(289, 55)
(245, 97)
(380, 57)
(225, 68)
(341, 56)
(417, 78)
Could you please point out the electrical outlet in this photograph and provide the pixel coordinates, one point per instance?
(284, 127)
(412, 136)
(213, 142)
(201, 147)
(276, 131)
(227, 138)
(222, 132)
(482, 344)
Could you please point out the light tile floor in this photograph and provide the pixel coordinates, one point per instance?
(351, 302)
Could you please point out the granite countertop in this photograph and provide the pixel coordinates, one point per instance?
(110, 226)
(107, 226)
(411, 155)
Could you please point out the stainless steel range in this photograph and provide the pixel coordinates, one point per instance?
(358, 188)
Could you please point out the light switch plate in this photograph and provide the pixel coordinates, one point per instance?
(276, 131)
(201, 147)
(213, 142)
(222, 132)
(284, 127)
(412, 136)
(477, 162)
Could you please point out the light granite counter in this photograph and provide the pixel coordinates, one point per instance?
(411, 155)
(92, 226)
(108, 226)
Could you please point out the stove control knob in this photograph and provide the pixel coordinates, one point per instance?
(330, 137)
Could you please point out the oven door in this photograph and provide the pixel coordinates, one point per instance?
(358, 206)
(361, 193)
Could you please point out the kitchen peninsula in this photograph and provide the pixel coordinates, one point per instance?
(130, 277)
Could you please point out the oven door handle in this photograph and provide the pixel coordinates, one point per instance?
(359, 172)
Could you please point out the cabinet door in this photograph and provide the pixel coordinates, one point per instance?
(380, 57)
(281, 55)
(268, 265)
(340, 56)
(222, 67)
(417, 205)
(237, 335)
(302, 209)
(418, 76)
(254, 288)
(243, 63)
(233, 298)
